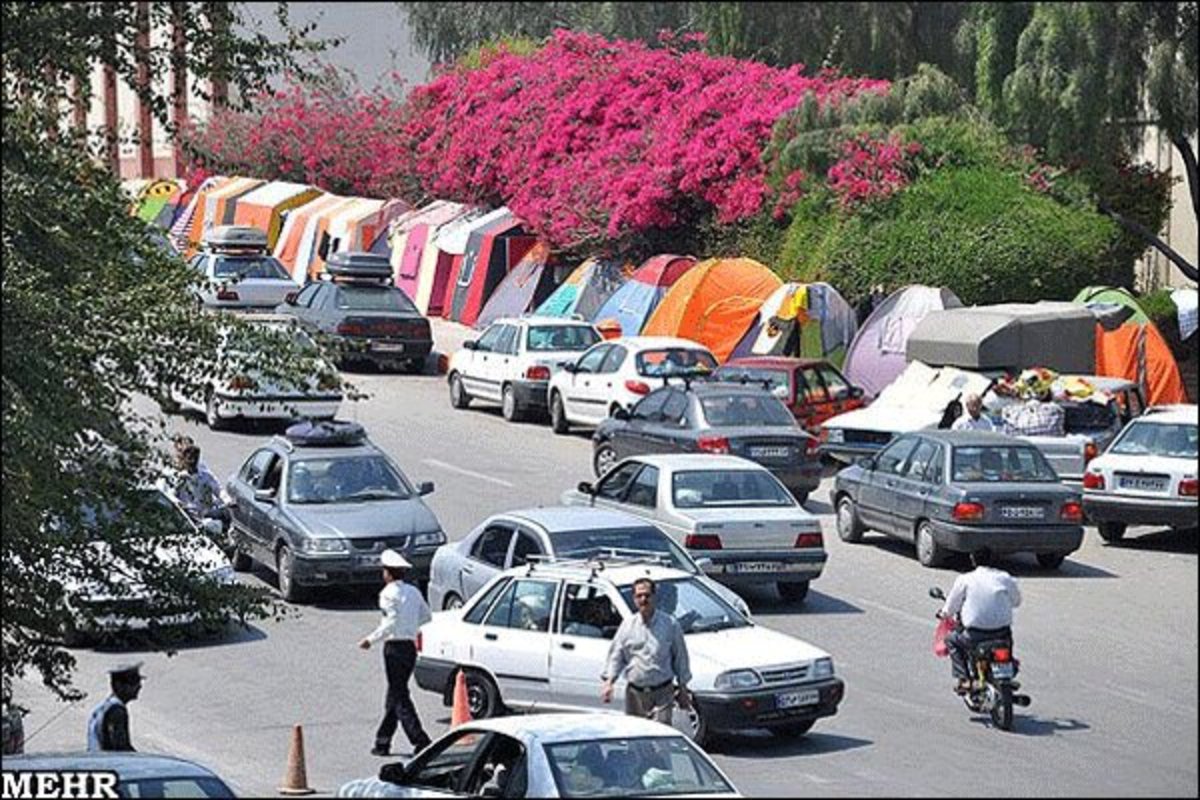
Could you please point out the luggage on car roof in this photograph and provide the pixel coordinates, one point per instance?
(235, 237)
(359, 265)
(326, 433)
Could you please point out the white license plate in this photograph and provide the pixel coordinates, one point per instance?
(770, 452)
(387, 347)
(1004, 670)
(369, 561)
(757, 566)
(795, 699)
(1022, 512)
(1141, 484)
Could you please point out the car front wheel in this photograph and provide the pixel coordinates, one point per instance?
(452, 602)
(285, 565)
(604, 460)
(509, 406)
(458, 395)
(558, 415)
(849, 528)
(483, 698)
(692, 723)
(929, 552)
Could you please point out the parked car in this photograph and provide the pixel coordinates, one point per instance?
(960, 491)
(138, 775)
(538, 636)
(512, 361)
(250, 395)
(322, 503)
(813, 389)
(617, 373)
(553, 755)
(719, 418)
(362, 315)
(512, 539)
(728, 511)
(1147, 476)
(239, 270)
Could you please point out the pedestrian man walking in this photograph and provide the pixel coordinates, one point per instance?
(650, 652)
(108, 725)
(404, 612)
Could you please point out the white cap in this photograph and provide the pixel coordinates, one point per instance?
(390, 558)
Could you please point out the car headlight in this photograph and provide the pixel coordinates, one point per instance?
(823, 668)
(423, 539)
(738, 679)
(324, 546)
(222, 574)
(836, 436)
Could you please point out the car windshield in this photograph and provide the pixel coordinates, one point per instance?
(376, 297)
(174, 787)
(671, 360)
(585, 544)
(698, 608)
(1170, 440)
(251, 266)
(776, 379)
(543, 338)
(999, 463)
(731, 410)
(653, 765)
(345, 480)
(721, 488)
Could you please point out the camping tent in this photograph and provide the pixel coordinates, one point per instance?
(374, 232)
(346, 227)
(714, 303)
(491, 250)
(291, 242)
(811, 320)
(1137, 350)
(456, 240)
(635, 300)
(265, 207)
(527, 284)
(315, 240)
(190, 200)
(216, 208)
(877, 354)
(408, 235)
(432, 243)
(586, 289)
(158, 201)
(1009, 337)
(194, 225)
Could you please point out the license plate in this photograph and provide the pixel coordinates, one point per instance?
(369, 561)
(1141, 484)
(1004, 670)
(757, 566)
(795, 699)
(387, 347)
(1022, 512)
(770, 452)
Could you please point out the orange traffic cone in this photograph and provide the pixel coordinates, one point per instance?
(295, 779)
(461, 711)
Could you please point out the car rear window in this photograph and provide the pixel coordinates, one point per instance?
(585, 544)
(1002, 463)
(775, 378)
(719, 488)
(574, 338)
(244, 267)
(1082, 417)
(374, 298)
(1158, 439)
(729, 410)
(668, 360)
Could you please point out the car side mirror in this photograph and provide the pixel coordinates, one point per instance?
(586, 488)
(212, 527)
(470, 344)
(425, 487)
(620, 413)
(393, 773)
(936, 593)
(571, 367)
(264, 495)
(290, 298)
(866, 462)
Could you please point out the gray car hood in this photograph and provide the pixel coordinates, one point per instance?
(365, 520)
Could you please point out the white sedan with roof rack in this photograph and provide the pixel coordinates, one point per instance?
(538, 637)
(1147, 476)
(240, 271)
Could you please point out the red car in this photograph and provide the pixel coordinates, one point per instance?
(812, 388)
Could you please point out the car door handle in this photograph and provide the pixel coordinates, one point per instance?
(491, 637)
(468, 571)
(567, 646)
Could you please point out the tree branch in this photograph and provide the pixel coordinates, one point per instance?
(1137, 228)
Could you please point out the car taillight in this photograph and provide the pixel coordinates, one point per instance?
(1189, 487)
(242, 382)
(418, 642)
(967, 512)
(1001, 654)
(713, 444)
(702, 541)
(637, 387)
(809, 540)
(823, 435)
(1072, 511)
(227, 294)
(812, 445)
(537, 373)
(350, 329)
(1090, 451)
(1094, 481)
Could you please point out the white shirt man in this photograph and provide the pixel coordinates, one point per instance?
(985, 596)
(973, 419)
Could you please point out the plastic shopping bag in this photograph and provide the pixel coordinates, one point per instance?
(944, 626)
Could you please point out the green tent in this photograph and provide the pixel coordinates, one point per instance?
(1114, 296)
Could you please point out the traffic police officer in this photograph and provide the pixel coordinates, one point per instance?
(108, 725)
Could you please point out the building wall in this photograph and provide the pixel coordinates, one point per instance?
(1154, 270)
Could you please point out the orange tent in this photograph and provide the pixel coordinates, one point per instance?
(714, 303)
(196, 226)
(296, 232)
(1137, 352)
(265, 207)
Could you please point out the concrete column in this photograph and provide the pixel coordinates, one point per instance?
(145, 119)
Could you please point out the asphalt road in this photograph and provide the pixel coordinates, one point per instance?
(1108, 646)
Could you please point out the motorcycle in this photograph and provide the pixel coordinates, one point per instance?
(993, 685)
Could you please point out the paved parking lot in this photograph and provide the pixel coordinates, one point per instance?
(1108, 646)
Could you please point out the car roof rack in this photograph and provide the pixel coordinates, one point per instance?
(606, 557)
(325, 433)
(359, 267)
(235, 238)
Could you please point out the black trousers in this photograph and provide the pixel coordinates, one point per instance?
(399, 658)
(962, 641)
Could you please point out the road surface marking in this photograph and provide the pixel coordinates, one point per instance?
(433, 462)
(925, 622)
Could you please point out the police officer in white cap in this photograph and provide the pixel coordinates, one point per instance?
(404, 612)
(108, 725)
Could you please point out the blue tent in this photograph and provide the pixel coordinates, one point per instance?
(633, 303)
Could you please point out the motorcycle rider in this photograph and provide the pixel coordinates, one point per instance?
(983, 600)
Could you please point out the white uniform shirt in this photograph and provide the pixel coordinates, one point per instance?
(966, 423)
(96, 721)
(404, 612)
(985, 597)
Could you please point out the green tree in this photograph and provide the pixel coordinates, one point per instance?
(95, 313)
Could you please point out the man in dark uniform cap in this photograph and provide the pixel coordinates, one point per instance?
(108, 725)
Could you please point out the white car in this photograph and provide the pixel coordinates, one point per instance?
(1147, 476)
(250, 395)
(513, 360)
(501, 541)
(729, 511)
(239, 271)
(538, 637)
(553, 755)
(617, 373)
